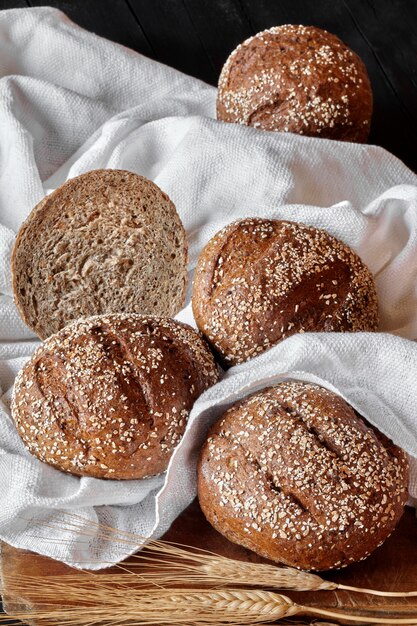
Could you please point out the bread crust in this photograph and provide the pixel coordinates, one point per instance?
(109, 396)
(259, 281)
(106, 241)
(298, 79)
(294, 474)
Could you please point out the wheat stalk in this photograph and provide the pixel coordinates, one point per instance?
(165, 563)
(167, 607)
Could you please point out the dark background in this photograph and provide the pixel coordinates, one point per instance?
(196, 36)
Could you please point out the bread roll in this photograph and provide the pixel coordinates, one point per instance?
(107, 241)
(259, 281)
(297, 79)
(109, 396)
(292, 473)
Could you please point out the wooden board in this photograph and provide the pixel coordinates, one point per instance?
(393, 567)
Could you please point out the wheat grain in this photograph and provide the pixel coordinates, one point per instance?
(194, 607)
(165, 563)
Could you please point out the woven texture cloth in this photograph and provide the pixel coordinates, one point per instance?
(70, 102)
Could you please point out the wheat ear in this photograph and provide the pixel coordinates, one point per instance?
(167, 563)
(163, 607)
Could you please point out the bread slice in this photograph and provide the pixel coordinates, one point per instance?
(108, 241)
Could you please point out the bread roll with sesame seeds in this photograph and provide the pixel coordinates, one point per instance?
(109, 396)
(294, 474)
(107, 241)
(259, 281)
(297, 79)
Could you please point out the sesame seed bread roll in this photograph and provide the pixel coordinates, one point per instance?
(294, 474)
(109, 396)
(297, 79)
(107, 241)
(259, 281)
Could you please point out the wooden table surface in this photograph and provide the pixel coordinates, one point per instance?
(196, 36)
(392, 567)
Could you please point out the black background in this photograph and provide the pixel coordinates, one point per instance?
(196, 36)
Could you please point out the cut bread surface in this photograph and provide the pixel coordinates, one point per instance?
(107, 241)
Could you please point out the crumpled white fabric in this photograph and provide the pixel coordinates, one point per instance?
(70, 102)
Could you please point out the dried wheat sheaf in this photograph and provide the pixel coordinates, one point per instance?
(167, 584)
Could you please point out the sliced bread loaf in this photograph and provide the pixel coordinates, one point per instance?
(107, 241)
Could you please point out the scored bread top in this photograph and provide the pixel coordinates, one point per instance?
(293, 473)
(298, 79)
(258, 281)
(107, 241)
(109, 396)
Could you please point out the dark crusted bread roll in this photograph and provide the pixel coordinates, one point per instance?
(292, 473)
(109, 396)
(297, 79)
(258, 281)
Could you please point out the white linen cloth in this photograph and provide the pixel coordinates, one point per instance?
(70, 102)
